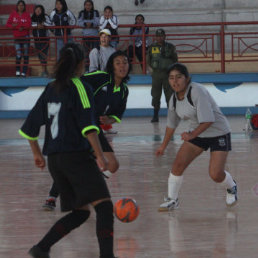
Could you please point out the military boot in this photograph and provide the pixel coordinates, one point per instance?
(155, 116)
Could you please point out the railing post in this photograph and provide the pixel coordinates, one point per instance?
(143, 49)
(65, 36)
(222, 47)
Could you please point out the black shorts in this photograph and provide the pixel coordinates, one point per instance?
(104, 142)
(218, 143)
(78, 179)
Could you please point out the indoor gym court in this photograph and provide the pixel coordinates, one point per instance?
(202, 226)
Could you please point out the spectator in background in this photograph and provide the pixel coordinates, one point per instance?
(98, 61)
(61, 16)
(110, 21)
(136, 2)
(100, 55)
(137, 40)
(89, 20)
(161, 55)
(19, 20)
(40, 21)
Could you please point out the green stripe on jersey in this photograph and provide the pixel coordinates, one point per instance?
(82, 92)
(27, 136)
(89, 128)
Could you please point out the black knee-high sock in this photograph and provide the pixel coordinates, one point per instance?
(62, 227)
(104, 228)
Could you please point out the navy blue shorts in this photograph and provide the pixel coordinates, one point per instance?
(218, 143)
(78, 179)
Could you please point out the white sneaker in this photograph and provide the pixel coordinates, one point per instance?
(169, 204)
(23, 75)
(110, 131)
(231, 198)
(18, 73)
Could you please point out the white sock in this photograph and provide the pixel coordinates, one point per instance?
(228, 182)
(107, 174)
(174, 185)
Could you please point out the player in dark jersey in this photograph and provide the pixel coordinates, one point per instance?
(110, 96)
(66, 108)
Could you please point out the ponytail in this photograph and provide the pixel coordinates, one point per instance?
(71, 55)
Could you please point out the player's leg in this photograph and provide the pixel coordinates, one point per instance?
(186, 154)
(105, 227)
(50, 202)
(220, 175)
(67, 175)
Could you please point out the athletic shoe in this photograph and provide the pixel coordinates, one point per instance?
(110, 131)
(231, 198)
(50, 204)
(36, 252)
(169, 204)
(23, 75)
(18, 73)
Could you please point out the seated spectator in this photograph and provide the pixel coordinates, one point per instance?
(137, 40)
(110, 21)
(100, 55)
(89, 19)
(19, 20)
(40, 21)
(61, 16)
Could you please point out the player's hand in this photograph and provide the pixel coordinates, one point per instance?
(102, 163)
(185, 136)
(39, 161)
(160, 151)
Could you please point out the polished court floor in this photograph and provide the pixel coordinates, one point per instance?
(202, 226)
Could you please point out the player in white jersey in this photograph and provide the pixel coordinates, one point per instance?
(209, 128)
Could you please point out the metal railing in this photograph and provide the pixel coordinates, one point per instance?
(216, 42)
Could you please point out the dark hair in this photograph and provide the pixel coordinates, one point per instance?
(139, 15)
(110, 65)
(21, 1)
(90, 14)
(108, 7)
(41, 18)
(180, 68)
(64, 5)
(71, 55)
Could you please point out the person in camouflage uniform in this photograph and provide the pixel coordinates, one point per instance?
(161, 55)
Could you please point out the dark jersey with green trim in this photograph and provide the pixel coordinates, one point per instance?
(109, 100)
(67, 115)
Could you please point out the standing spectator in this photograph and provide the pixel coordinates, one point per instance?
(110, 21)
(137, 40)
(161, 55)
(61, 16)
(89, 20)
(19, 20)
(100, 55)
(66, 109)
(40, 21)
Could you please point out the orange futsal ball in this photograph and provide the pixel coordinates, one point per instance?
(126, 209)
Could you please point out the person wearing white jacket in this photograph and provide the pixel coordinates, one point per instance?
(110, 21)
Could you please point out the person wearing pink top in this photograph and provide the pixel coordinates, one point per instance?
(20, 22)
